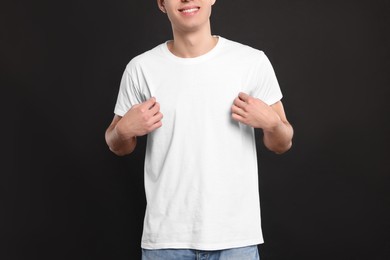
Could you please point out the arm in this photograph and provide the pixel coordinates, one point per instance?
(117, 143)
(272, 119)
(141, 119)
(279, 137)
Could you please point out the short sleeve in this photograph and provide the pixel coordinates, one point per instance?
(267, 86)
(128, 95)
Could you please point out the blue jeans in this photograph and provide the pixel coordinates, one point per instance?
(240, 253)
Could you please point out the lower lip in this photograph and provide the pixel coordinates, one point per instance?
(190, 13)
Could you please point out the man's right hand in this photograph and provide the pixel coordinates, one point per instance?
(140, 120)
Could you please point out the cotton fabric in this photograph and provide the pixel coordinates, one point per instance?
(201, 174)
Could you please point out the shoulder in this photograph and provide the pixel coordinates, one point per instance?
(144, 58)
(242, 51)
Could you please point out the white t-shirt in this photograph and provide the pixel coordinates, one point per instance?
(201, 176)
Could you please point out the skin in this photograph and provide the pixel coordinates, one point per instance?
(191, 38)
(251, 111)
(141, 119)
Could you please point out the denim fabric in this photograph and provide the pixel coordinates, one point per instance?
(241, 253)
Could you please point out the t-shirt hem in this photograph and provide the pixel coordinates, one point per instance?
(272, 101)
(119, 112)
(199, 246)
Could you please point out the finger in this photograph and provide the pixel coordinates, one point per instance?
(157, 117)
(155, 109)
(154, 119)
(239, 103)
(238, 111)
(238, 118)
(243, 96)
(156, 125)
(149, 103)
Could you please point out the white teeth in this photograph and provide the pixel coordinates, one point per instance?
(190, 10)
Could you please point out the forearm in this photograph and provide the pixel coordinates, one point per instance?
(119, 144)
(279, 138)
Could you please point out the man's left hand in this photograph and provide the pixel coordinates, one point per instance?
(254, 112)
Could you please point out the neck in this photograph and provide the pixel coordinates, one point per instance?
(192, 44)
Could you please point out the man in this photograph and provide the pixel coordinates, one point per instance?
(201, 177)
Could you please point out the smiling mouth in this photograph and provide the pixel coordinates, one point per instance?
(189, 10)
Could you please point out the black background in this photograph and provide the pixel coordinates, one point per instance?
(64, 195)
